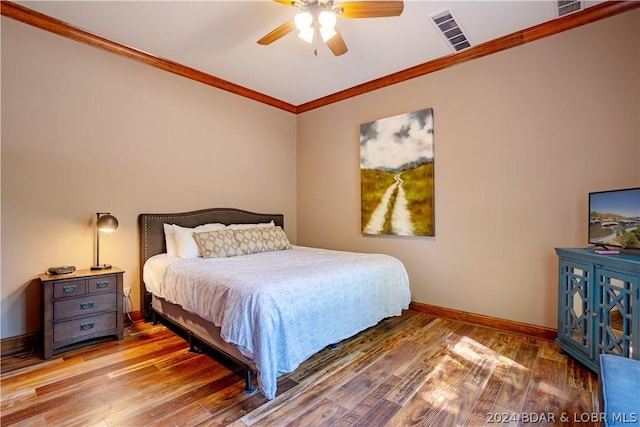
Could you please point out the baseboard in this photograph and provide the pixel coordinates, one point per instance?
(14, 345)
(512, 326)
(136, 316)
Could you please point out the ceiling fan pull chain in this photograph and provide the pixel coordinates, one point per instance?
(315, 38)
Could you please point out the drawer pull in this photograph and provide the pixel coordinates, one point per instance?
(85, 326)
(69, 289)
(86, 305)
(102, 284)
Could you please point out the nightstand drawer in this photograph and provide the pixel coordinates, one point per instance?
(75, 330)
(84, 306)
(101, 284)
(69, 288)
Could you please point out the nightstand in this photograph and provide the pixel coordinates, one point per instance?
(80, 307)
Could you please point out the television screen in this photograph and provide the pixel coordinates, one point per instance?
(614, 218)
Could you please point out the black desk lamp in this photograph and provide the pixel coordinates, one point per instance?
(104, 222)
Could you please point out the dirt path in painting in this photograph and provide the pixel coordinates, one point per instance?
(400, 217)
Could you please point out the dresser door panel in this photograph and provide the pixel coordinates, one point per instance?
(616, 295)
(576, 323)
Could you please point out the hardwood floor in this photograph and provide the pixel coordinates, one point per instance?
(412, 370)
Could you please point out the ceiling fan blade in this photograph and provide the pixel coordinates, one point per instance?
(337, 44)
(369, 9)
(279, 32)
(286, 2)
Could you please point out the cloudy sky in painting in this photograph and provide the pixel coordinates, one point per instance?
(397, 140)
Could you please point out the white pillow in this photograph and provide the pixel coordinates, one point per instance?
(170, 240)
(245, 226)
(186, 245)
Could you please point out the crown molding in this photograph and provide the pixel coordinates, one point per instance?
(592, 14)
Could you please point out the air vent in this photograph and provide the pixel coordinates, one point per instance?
(449, 28)
(566, 7)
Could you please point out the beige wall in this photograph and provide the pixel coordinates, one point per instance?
(521, 137)
(86, 131)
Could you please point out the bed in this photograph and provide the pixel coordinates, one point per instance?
(268, 309)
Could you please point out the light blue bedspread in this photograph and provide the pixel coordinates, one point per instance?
(282, 307)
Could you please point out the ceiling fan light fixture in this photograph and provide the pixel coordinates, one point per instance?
(327, 20)
(306, 34)
(316, 20)
(303, 21)
(327, 33)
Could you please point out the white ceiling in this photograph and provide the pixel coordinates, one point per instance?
(219, 38)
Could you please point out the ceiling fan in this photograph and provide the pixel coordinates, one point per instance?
(317, 18)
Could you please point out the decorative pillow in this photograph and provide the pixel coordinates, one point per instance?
(250, 240)
(275, 239)
(218, 244)
(170, 240)
(245, 226)
(186, 245)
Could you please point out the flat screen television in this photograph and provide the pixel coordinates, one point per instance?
(614, 218)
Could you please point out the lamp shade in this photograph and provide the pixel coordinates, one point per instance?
(327, 33)
(307, 34)
(107, 222)
(303, 20)
(327, 19)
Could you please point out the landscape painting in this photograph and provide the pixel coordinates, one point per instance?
(396, 175)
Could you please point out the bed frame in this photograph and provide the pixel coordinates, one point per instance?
(195, 329)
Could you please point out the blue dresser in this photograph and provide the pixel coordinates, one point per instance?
(598, 304)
